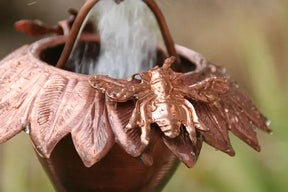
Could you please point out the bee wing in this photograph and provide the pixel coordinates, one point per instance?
(117, 89)
(52, 103)
(104, 82)
(205, 85)
(221, 106)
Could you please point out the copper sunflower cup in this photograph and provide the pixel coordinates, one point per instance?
(97, 133)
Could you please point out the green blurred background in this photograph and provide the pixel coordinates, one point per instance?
(249, 37)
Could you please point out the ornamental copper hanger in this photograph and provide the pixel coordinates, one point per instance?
(136, 126)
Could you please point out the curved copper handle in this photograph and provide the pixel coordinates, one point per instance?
(163, 27)
(83, 14)
(74, 32)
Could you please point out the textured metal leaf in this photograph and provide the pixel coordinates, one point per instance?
(52, 103)
(119, 115)
(229, 110)
(184, 149)
(93, 138)
(44, 114)
(217, 136)
(17, 93)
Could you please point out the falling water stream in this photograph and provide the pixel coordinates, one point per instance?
(128, 40)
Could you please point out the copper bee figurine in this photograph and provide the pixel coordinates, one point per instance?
(166, 98)
(161, 99)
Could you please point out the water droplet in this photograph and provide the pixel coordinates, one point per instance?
(271, 133)
(235, 119)
(27, 129)
(194, 156)
(212, 69)
(39, 148)
(132, 88)
(226, 110)
(152, 107)
(268, 123)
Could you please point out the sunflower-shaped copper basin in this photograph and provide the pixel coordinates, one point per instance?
(96, 133)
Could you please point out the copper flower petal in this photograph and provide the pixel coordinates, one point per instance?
(231, 111)
(119, 115)
(52, 102)
(242, 115)
(217, 136)
(17, 92)
(242, 128)
(242, 102)
(183, 148)
(48, 104)
(93, 138)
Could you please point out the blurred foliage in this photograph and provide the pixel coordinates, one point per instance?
(249, 37)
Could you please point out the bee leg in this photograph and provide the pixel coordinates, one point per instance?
(192, 122)
(195, 120)
(134, 120)
(145, 134)
(188, 123)
(145, 121)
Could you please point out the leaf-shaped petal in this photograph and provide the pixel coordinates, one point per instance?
(241, 102)
(183, 148)
(52, 102)
(93, 138)
(17, 94)
(217, 136)
(119, 115)
(229, 108)
(44, 134)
